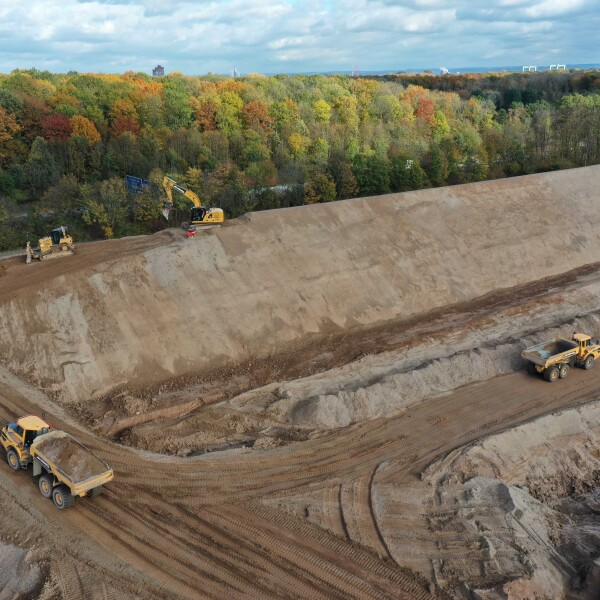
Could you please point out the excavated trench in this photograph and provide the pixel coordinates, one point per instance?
(418, 361)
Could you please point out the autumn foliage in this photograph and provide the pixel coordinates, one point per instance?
(68, 140)
(56, 127)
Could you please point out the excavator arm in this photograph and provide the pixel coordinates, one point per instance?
(170, 184)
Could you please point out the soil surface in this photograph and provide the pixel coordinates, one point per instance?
(323, 402)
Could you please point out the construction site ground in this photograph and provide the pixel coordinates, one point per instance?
(398, 449)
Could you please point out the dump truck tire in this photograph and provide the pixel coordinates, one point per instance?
(551, 374)
(563, 371)
(45, 486)
(589, 362)
(62, 497)
(95, 492)
(13, 460)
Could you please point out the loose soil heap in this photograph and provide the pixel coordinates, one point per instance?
(71, 457)
(18, 578)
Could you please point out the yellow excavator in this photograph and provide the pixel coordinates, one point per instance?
(200, 215)
(58, 244)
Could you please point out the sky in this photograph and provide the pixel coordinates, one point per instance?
(290, 36)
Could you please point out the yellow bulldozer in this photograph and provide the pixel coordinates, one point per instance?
(56, 245)
(200, 215)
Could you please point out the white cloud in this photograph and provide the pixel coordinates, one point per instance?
(293, 35)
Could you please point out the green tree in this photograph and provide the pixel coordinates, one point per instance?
(322, 111)
(372, 174)
(228, 114)
(42, 170)
(64, 196)
(345, 181)
(406, 174)
(177, 107)
(319, 187)
(438, 166)
(106, 205)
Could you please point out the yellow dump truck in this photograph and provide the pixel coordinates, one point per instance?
(555, 358)
(65, 468)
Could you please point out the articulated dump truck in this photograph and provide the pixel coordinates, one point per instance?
(555, 358)
(65, 468)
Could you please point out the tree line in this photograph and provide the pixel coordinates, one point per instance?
(254, 143)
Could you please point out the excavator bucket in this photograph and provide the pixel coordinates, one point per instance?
(166, 210)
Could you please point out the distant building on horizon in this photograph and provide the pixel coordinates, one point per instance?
(158, 71)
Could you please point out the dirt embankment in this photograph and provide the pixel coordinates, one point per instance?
(415, 362)
(258, 286)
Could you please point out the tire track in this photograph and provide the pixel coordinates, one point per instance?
(193, 528)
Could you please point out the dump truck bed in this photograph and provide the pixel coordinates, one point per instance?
(71, 462)
(550, 352)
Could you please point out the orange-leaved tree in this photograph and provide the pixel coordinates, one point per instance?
(85, 128)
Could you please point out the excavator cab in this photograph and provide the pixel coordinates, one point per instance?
(198, 214)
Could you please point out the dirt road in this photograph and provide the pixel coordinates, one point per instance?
(183, 528)
(16, 275)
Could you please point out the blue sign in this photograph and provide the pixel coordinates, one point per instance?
(136, 185)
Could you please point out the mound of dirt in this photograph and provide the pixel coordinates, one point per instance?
(141, 314)
(78, 463)
(516, 514)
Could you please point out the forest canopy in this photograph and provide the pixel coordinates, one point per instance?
(254, 143)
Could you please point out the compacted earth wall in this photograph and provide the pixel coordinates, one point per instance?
(271, 280)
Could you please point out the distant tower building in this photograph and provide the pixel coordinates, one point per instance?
(355, 71)
(158, 71)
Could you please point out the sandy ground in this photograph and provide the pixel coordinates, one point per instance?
(325, 402)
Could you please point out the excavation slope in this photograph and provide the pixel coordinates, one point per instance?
(146, 311)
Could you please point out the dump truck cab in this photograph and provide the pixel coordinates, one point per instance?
(17, 437)
(583, 339)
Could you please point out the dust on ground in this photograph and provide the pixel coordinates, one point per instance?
(20, 579)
